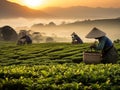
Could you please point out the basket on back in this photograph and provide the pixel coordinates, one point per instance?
(92, 57)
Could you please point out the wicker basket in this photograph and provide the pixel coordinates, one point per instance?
(92, 57)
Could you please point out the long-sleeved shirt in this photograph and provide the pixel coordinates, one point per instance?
(27, 38)
(76, 37)
(104, 42)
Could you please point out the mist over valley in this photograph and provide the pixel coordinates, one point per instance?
(58, 22)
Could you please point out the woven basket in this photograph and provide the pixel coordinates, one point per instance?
(92, 57)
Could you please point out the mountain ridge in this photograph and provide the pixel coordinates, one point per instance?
(76, 12)
(13, 10)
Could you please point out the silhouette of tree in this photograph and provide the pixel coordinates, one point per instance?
(38, 25)
(7, 33)
(51, 24)
(49, 39)
(36, 36)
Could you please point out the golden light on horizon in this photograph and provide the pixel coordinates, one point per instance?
(39, 4)
(33, 3)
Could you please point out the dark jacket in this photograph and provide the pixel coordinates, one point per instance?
(28, 40)
(109, 52)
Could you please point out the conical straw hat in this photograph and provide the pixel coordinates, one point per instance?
(73, 33)
(95, 33)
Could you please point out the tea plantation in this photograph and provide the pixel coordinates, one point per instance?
(54, 66)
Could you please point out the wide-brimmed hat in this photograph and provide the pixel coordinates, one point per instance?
(95, 33)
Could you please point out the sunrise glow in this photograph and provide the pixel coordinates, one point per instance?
(38, 4)
(33, 3)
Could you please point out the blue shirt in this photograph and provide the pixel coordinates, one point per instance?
(104, 42)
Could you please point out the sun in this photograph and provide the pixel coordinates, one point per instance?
(33, 3)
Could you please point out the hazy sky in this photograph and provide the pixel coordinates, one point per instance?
(67, 3)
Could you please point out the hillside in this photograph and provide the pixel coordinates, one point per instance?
(13, 10)
(53, 66)
(43, 53)
(110, 26)
(83, 12)
(87, 22)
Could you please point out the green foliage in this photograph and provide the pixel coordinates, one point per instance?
(43, 53)
(60, 76)
(54, 66)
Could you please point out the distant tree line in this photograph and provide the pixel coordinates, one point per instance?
(117, 41)
(7, 33)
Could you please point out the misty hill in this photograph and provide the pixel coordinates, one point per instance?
(13, 10)
(81, 12)
(110, 26)
(114, 23)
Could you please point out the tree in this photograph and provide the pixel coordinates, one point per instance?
(7, 33)
(49, 39)
(36, 36)
(51, 24)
